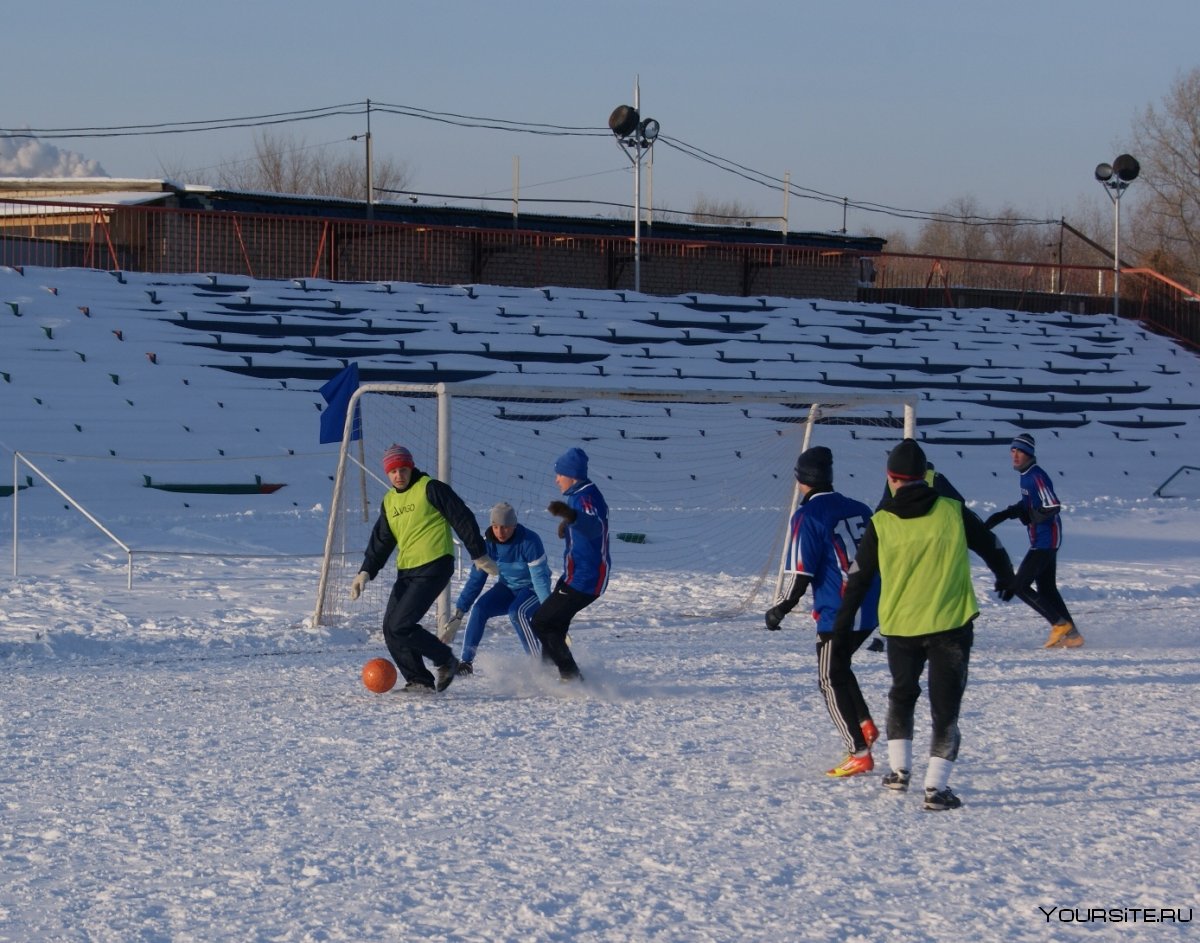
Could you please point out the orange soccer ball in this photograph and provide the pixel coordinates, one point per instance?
(379, 675)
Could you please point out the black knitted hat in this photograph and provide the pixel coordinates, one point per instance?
(814, 467)
(907, 461)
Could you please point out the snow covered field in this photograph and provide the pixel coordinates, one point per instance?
(188, 760)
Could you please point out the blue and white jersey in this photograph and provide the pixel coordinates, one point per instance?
(586, 558)
(822, 543)
(522, 563)
(1042, 507)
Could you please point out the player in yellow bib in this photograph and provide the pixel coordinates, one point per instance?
(415, 520)
(917, 543)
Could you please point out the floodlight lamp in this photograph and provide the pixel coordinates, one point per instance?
(1104, 172)
(1126, 167)
(648, 130)
(623, 121)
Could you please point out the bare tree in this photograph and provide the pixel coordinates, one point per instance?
(895, 241)
(1167, 144)
(1012, 238)
(722, 212)
(287, 165)
(1094, 220)
(964, 230)
(957, 233)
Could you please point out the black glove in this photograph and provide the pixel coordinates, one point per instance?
(563, 510)
(1007, 514)
(774, 618)
(876, 645)
(1004, 589)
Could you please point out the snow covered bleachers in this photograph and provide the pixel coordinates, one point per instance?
(83, 353)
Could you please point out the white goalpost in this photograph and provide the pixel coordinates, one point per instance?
(692, 478)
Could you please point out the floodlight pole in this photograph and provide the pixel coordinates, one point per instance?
(639, 135)
(637, 194)
(1115, 188)
(1115, 178)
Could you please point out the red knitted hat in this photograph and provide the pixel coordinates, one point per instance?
(397, 456)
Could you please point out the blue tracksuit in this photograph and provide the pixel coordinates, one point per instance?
(586, 560)
(1036, 581)
(822, 541)
(523, 585)
(1042, 508)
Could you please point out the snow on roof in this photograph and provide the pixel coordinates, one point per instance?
(78, 183)
(61, 204)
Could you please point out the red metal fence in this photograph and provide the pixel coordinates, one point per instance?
(159, 239)
(1165, 305)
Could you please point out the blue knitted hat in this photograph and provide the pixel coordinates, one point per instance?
(1024, 442)
(573, 463)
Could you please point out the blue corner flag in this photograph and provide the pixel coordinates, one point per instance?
(337, 393)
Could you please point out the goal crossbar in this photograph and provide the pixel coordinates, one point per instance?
(442, 406)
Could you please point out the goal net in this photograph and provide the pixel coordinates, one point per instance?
(699, 483)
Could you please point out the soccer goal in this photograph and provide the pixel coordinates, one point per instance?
(699, 483)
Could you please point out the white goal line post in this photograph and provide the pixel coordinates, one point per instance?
(451, 446)
(18, 460)
(130, 546)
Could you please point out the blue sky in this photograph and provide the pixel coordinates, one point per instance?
(908, 105)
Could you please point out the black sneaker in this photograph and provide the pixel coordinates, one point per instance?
(446, 673)
(465, 668)
(938, 800)
(416, 687)
(897, 779)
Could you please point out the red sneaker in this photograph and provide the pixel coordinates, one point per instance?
(853, 766)
(870, 731)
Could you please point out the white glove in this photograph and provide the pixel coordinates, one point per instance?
(360, 581)
(450, 629)
(487, 564)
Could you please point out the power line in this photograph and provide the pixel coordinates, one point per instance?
(250, 160)
(658, 211)
(758, 177)
(498, 199)
(186, 127)
(493, 124)
(548, 183)
(723, 164)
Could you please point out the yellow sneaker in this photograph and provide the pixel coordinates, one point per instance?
(1072, 639)
(1058, 632)
(852, 766)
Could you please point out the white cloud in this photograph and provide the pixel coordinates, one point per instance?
(29, 157)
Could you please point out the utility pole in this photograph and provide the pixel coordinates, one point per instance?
(370, 168)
